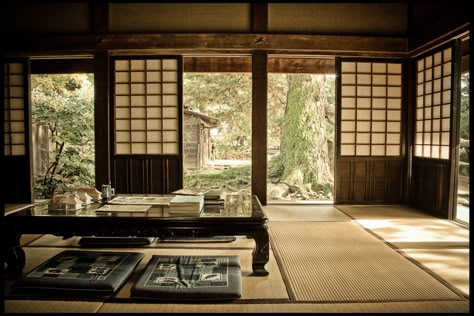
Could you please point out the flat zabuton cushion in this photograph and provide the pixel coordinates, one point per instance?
(190, 277)
(98, 272)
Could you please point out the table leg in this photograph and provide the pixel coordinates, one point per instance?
(261, 253)
(14, 254)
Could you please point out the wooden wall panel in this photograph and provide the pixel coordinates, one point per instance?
(369, 181)
(431, 186)
(146, 175)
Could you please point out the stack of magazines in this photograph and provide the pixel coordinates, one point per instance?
(187, 205)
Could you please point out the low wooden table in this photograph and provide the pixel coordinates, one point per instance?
(214, 221)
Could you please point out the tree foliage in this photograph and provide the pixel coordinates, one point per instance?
(64, 103)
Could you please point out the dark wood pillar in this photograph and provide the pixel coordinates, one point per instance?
(259, 125)
(102, 121)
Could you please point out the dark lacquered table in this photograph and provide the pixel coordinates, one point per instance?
(215, 220)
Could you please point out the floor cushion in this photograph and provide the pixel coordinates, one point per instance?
(95, 272)
(190, 278)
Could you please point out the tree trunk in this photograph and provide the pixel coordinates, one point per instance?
(304, 145)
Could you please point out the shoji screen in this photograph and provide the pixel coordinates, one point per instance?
(147, 120)
(146, 106)
(433, 105)
(14, 102)
(16, 133)
(371, 108)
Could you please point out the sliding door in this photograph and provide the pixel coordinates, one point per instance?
(146, 124)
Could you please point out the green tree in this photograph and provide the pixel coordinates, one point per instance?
(227, 97)
(64, 103)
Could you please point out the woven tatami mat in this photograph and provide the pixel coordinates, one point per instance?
(302, 213)
(359, 212)
(395, 307)
(37, 306)
(419, 233)
(341, 262)
(55, 241)
(450, 264)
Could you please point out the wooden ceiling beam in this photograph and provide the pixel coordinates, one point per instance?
(185, 43)
(244, 65)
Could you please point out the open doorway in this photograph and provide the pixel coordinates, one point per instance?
(217, 126)
(62, 110)
(462, 205)
(301, 127)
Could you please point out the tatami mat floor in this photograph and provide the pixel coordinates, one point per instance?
(437, 247)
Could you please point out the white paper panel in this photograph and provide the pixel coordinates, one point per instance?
(154, 124)
(348, 126)
(348, 67)
(122, 65)
(170, 148)
(154, 112)
(138, 125)
(122, 125)
(122, 113)
(170, 100)
(348, 102)
(122, 148)
(363, 79)
(379, 68)
(121, 77)
(122, 101)
(138, 148)
(348, 91)
(347, 150)
(153, 64)
(122, 137)
(393, 150)
(138, 112)
(363, 150)
(137, 64)
(379, 103)
(170, 88)
(378, 126)
(363, 126)
(137, 88)
(153, 100)
(393, 138)
(122, 89)
(363, 102)
(17, 150)
(378, 150)
(153, 136)
(153, 148)
(138, 100)
(347, 114)
(17, 103)
(379, 80)
(378, 138)
(170, 136)
(348, 79)
(138, 137)
(347, 138)
(170, 76)
(17, 127)
(170, 124)
(363, 114)
(363, 138)
(137, 76)
(153, 76)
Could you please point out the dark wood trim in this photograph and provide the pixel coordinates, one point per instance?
(62, 66)
(244, 65)
(394, 47)
(101, 117)
(259, 125)
(100, 16)
(259, 17)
